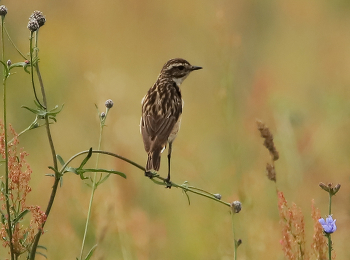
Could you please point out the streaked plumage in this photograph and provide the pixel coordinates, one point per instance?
(161, 111)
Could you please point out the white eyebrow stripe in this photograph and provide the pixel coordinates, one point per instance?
(175, 65)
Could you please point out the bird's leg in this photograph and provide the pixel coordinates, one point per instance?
(169, 156)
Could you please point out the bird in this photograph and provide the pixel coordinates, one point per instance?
(161, 113)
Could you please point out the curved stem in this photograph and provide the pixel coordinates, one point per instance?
(14, 45)
(183, 187)
(31, 68)
(9, 230)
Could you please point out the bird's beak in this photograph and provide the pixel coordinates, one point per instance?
(196, 68)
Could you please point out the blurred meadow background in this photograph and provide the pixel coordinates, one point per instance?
(286, 63)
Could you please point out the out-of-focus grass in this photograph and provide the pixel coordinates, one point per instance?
(284, 62)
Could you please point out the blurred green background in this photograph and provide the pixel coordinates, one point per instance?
(284, 62)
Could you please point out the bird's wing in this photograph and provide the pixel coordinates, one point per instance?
(156, 128)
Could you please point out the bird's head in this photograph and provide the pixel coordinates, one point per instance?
(178, 69)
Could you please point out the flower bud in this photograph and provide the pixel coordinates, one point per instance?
(103, 115)
(33, 25)
(236, 206)
(217, 196)
(323, 186)
(109, 103)
(3, 10)
(39, 17)
(9, 63)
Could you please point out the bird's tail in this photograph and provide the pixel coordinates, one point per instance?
(153, 161)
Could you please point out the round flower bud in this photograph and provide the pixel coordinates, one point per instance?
(217, 196)
(39, 17)
(236, 206)
(109, 103)
(9, 63)
(33, 25)
(103, 115)
(3, 10)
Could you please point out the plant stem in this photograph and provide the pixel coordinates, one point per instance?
(329, 235)
(93, 188)
(5, 76)
(183, 187)
(48, 132)
(234, 238)
(31, 67)
(329, 247)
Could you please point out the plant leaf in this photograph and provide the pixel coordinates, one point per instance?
(86, 159)
(59, 158)
(21, 215)
(107, 171)
(89, 255)
(39, 253)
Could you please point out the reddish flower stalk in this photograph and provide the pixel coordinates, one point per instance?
(293, 230)
(19, 177)
(319, 243)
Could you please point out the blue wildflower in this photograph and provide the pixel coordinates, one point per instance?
(328, 225)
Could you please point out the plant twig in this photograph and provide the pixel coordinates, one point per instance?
(5, 76)
(48, 132)
(183, 187)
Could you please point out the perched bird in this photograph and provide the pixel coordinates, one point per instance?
(161, 112)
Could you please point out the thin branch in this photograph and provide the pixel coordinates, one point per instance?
(172, 184)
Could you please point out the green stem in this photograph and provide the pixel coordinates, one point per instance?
(329, 235)
(9, 231)
(234, 239)
(183, 187)
(52, 147)
(329, 247)
(14, 45)
(31, 67)
(93, 189)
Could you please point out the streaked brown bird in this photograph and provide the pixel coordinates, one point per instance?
(161, 112)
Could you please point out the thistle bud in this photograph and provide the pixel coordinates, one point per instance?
(103, 115)
(3, 10)
(109, 103)
(39, 17)
(236, 206)
(33, 25)
(217, 196)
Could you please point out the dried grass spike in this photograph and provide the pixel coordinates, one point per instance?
(268, 143)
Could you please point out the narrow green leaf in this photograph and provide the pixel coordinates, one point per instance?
(40, 113)
(5, 66)
(89, 255)
(42, 247)
(104, 179)
(21, 215)
(59, 158)
(107, 171)
(71, 169)
(86, 158)
(39, 253)
(57, 172)
(188, 198)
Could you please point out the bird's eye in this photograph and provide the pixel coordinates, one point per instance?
(181, 67)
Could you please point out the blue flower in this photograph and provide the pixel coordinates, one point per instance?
(328, 225)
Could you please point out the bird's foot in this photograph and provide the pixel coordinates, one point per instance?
(150, 174)
(168, 183)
